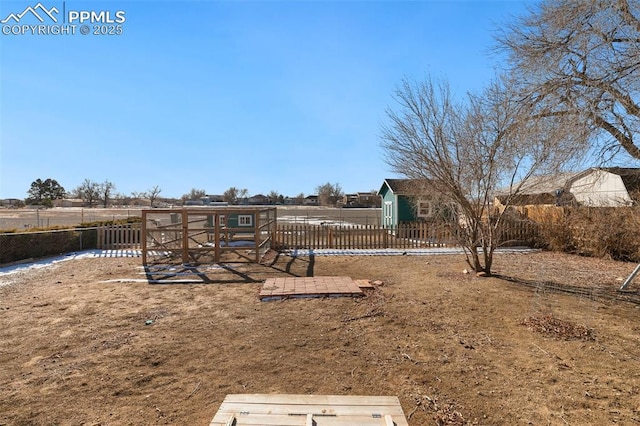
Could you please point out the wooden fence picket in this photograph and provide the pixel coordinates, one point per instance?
(119, 237)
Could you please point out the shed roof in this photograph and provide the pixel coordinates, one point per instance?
(406, 186)
(630, 177)
(547, 183)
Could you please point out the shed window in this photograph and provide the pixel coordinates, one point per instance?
(425, 209)
(245, 220)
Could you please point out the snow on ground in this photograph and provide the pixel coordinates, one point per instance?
(306, 220)
(51, 261)
(396, 252)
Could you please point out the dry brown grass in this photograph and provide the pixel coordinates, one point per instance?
(76, 347)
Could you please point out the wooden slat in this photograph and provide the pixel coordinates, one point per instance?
(290, 410)
(292, 420)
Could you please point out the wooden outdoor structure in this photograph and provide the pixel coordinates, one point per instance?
(206, 235)
(309, 410)
(288, 236)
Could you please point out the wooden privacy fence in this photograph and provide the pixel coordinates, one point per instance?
(414, 235)
(292, 236)
(298, 236)
(119, 237)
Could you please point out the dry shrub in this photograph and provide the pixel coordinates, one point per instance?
(612, 232)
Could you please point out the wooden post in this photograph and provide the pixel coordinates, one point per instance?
(99, 237)
(273, 226)
(216, 237)
(185, 236)
(256, 233)
(384, 238)
(143, 237)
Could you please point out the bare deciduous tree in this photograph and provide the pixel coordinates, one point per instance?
(580, 58)
(234, 195)
(273, 197)
(88, 191)
(243, 194)
(194, 194)
(105, 189)
(153, 194)
(231, 195)
(464, 152)
(329, 194)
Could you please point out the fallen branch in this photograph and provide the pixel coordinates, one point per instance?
(418, 404)
(194, 390)
(368, 315)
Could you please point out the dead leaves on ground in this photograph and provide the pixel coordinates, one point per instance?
(558, 329)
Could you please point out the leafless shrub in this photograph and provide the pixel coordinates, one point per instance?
(611, 232)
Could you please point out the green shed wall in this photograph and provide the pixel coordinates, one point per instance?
(406, 210)
(403, 207)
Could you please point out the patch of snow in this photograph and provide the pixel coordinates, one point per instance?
(396, 252)
(318, 221)
(51, 261)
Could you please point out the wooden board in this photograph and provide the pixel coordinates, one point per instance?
(314, 410)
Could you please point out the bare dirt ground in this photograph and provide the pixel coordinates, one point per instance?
(82, 343)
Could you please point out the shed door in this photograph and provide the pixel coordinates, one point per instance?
(388, 214)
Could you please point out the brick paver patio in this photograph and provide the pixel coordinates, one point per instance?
(281, 288)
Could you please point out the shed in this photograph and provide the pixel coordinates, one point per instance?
(405, 200)
(234, 219)
(595, 187)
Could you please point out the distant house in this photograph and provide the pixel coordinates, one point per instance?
(288, 201)
(361, 199)
(368, 199)
(258, 200)
(310, 200)
(595, 187)
(68, 202)
(11, 202)
(350, 200)
(406, 200)
(213, 200)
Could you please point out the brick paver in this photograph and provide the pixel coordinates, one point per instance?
(279, 288)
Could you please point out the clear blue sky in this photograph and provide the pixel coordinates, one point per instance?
(263, 95)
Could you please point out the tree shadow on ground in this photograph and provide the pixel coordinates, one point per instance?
(277, 265)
